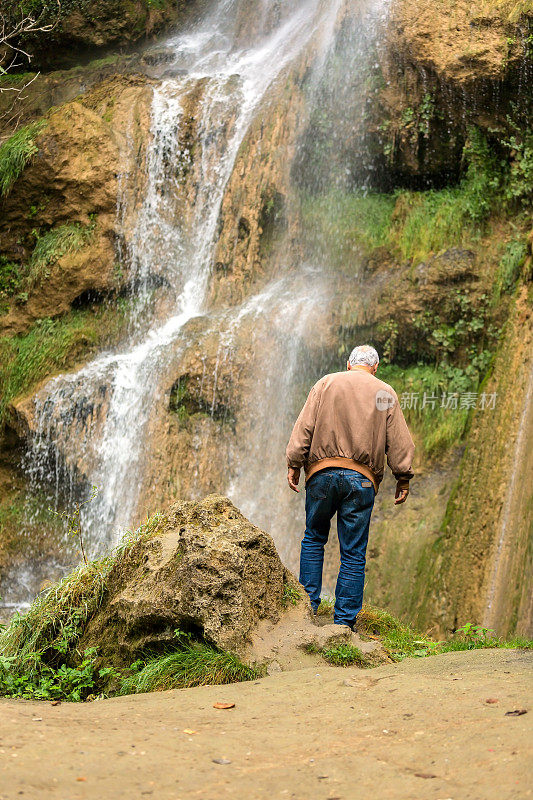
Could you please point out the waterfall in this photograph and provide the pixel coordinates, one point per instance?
(93, 426)
(99, 414)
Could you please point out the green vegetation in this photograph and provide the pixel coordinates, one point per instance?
(326, 607)
(291, 595)
(187, 401)
(11, 277)
(401, 641)
(412, 225)
(345, 655)
(15, 153)
(437, 423)
(193, 664)
(344, 226)
(53, 345)
(509, 267)
(40, 659)
(55, 243)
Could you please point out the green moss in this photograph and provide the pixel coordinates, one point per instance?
(53, 345)
(15, 153)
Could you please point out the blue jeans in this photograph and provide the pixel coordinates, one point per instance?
(351, 496)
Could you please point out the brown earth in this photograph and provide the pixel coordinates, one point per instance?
(420, 729)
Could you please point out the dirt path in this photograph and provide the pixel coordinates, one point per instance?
(419, 729)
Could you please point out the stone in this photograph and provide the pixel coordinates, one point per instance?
(205, 570)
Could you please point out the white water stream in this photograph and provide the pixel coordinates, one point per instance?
(236, 81)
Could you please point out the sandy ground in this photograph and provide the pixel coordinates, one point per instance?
(419, 729)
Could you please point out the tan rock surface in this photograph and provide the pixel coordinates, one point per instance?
(206, 570)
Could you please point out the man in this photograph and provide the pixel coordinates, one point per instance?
(349, 422)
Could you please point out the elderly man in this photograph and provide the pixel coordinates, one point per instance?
(349, 422)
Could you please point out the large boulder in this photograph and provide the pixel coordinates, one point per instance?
(204, 569)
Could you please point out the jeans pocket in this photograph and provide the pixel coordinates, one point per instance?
(319, 485)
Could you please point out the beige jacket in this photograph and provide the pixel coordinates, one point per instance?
(352, 419)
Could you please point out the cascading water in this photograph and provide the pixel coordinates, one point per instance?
(109, 440)
(93, 426)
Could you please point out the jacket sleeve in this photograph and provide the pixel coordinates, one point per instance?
(300, 442)
(399, 446)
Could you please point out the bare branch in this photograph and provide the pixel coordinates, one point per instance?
(10, 34)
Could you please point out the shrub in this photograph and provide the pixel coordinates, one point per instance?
(15, 153)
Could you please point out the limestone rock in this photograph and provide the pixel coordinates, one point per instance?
(206, 570)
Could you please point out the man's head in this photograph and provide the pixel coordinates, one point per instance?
(364, 357)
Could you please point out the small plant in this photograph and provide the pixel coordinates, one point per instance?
(291, 595)
(193, 664)
(345, 655)
(326, 607)
(73, 520)
(74, 683)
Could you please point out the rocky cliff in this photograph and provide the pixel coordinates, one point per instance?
(430, 262)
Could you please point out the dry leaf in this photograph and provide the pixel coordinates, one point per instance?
(424, 775)
(491, 700)
(55, 703)
(516, 713)
(223, 704)
(81, 779)
(189, 731)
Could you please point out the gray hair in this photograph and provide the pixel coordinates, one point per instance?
(364, 354)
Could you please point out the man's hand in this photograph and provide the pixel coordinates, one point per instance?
(293, 477)
(402, 490)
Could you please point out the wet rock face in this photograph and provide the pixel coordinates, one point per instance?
(71, 184)
(446, 66)
(206, 570)
(449, 289)
(80, 25)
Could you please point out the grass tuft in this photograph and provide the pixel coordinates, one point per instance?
(194, 664)
(54, 244)
(16, 152)
(345, 655)
(55, 619)
(325, 607)
(401, 641)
